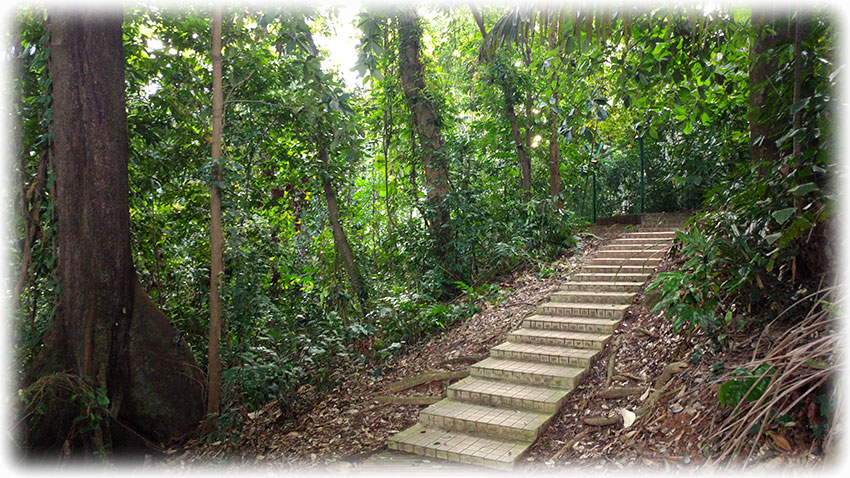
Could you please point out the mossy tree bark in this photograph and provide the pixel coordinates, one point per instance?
(107, 330)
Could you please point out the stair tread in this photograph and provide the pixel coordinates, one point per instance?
(546, 349)
(503, 417)
(573, 320)
(509, 389)
(559, 334)
(607, 274)
(585, 305)
(625, 259)
(459, 447)
(601, 293)
(611, 283)
(534, 368)
(624, 251)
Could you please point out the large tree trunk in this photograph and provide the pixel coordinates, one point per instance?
(427, 128)
(340, 239)
(216, 236)
(764, 130)
(106, 332)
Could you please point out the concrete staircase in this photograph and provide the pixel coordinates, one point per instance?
(493, 416)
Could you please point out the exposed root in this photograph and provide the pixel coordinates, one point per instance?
(426, 377)
(620, 392)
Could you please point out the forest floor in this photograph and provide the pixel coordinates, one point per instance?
(345, 427)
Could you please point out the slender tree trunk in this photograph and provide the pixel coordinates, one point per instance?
(554, 145)
(554, 161)
(340, 238)
(106, 332)
(388, 131)
(478, 20)
(427, 127)
(216, 236)
(524, 161)
(802, 28)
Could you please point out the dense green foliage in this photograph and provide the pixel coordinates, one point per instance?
(602, 80)
(761, 242)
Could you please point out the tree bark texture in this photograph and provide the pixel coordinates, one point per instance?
(554, 136)
(340, 238)
(554, 161)
(216, 235)
(524, 161)
(427, 128)
(476, 15)
(764, 130)
(106, 329)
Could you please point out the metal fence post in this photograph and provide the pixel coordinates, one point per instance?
(641, 175)
(594, 195)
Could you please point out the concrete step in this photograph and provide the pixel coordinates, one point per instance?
(459, 447)
(642, 243)
(593, 297)
(605, 253)
(495, 393)
(496, 422)
(579, 340)
(623, 261)
(669, 227)
(571, 324)
(621, 277)
(531, 373)
(650, 235)
(653, 245)
(576, 309)
(590, 269)
(602, 286)
(554, 354)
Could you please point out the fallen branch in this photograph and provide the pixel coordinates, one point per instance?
(646, 332)
(620, 392)
(603, 421)
(426, 377)
(632, 376)
(654, 397)
(612, 361)
(667, 373)
(569, 445)
(464, 359)
(414, 400)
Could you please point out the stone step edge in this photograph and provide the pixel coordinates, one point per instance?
(590, 293)
(448, 414)
(543, 353)
(499, 366)
(581, 340)
(639, 285)
(579, 322)
(464, 391)
(459, 447)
